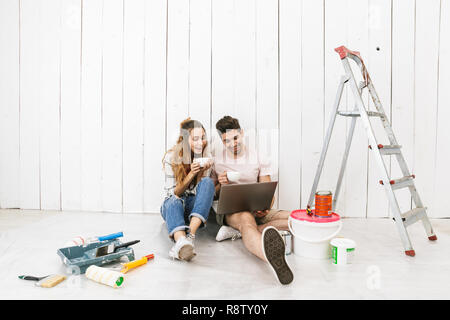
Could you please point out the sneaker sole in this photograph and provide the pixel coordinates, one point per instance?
(186, 253)
(274, 251)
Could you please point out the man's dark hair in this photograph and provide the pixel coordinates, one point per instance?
(227, 123)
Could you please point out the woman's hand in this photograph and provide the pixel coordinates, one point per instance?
(195, 168)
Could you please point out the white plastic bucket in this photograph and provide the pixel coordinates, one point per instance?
(312, 239)
(342, 251)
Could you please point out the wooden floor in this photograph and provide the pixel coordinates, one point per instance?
(29, 241)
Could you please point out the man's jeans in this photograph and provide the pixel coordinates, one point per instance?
(177, 211)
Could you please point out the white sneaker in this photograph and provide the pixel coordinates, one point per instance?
(226, 232)
(183, 249)
(274, 251)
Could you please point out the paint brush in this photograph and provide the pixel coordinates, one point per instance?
(111, 248)
(45, 282)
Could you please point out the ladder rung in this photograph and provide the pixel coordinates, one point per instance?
(412, 216)
(388, 149)
(357, 114)
(401, 183)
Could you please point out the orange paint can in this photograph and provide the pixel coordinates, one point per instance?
(323, 204)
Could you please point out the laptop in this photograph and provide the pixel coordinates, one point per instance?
(246, 197)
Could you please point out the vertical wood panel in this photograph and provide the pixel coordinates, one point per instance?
(133, 105)
(177, 67)
(335, 35)
(9, 104)
(154, 103)
(222, 94)
(112, 106)
(442, 177)
(29, 104)
(71, 105)
(355, 196)
(200, 62)
(312, 91)
(91, 106)
(426, 67)
(403, 89)
(267, 83)
(290, 103)
(49, 105)
(379, 66)
(244, 54)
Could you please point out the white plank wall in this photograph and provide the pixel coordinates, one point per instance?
(92, 93)
(9, 105)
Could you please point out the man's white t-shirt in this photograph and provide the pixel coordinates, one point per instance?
(249, 164)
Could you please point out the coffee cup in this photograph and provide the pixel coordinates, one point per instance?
(233, 176)
(201, 161)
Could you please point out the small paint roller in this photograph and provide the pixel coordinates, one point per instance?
(136, 263)
(105, 276)
(45, 282)
(79, 240)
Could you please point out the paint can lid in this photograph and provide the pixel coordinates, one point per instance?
(323, 193)
(343, 243)
(303, 216)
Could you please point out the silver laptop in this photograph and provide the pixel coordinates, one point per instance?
(245, 197)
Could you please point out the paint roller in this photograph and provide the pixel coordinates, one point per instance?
(79, 240)
(106, 276)
(114, 278)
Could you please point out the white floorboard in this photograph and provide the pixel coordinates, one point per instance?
(29, 240)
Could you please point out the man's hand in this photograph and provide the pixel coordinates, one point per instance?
(223, 178)
(261, 213)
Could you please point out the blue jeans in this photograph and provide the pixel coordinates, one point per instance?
(178, 211)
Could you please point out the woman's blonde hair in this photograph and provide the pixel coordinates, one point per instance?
(181, 158)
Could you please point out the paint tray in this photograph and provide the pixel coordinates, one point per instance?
(79, 258)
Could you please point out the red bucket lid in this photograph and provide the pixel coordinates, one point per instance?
(303, 216)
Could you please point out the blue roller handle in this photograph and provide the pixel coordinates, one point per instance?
(111, 236)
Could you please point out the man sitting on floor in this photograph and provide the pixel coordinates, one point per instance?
(258, 229)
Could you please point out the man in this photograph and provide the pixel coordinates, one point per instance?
(258, 229)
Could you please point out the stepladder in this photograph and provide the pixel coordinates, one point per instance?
(379, 150)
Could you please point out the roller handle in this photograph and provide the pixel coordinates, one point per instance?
(111, 236)
(136, 263)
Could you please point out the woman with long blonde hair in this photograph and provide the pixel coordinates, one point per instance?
(189, 188)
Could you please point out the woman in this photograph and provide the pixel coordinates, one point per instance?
(189, 189)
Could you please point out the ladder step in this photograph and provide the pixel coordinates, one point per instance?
(412, 216)
(388, 149)
(401, 183)
(357, 114)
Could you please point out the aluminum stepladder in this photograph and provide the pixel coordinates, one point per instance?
(402, 220)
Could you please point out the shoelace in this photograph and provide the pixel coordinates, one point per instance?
(235, 236)
(190, 236)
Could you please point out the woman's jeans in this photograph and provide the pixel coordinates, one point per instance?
(178, 211)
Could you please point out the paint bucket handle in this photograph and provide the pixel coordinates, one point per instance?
(314, 241)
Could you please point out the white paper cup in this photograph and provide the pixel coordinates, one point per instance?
(201, 161)
(233, 176)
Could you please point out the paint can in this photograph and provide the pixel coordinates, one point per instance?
(312, 234)
(323, 204)
(342, 251)
(287, 238)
